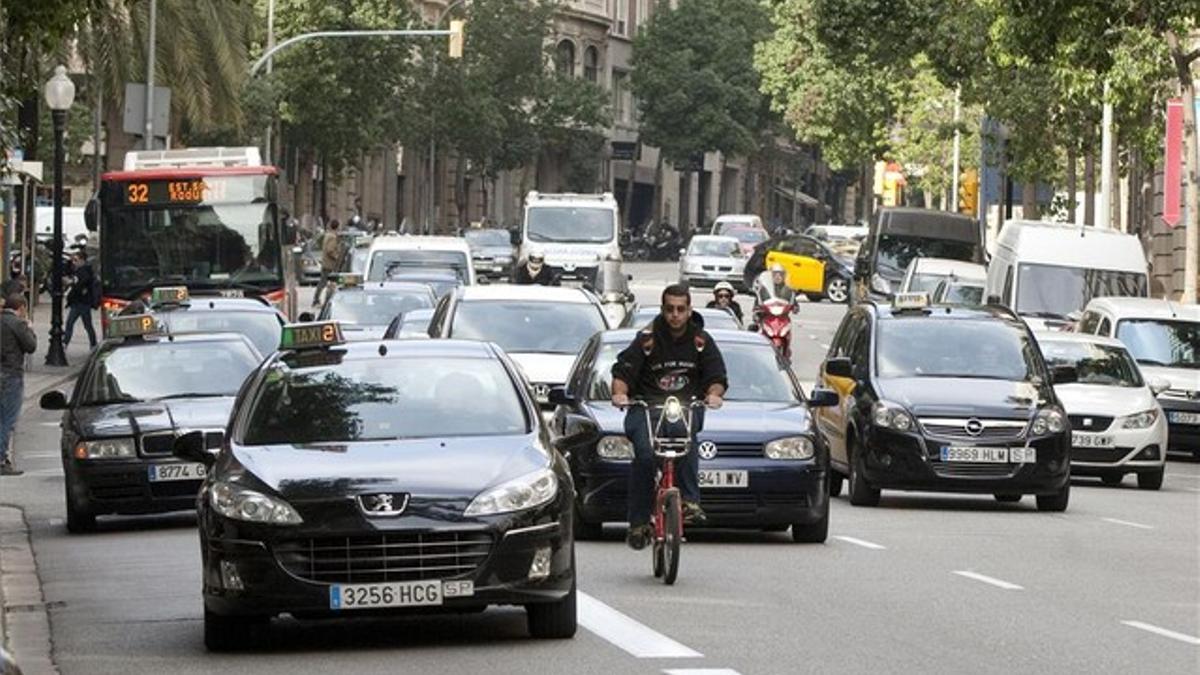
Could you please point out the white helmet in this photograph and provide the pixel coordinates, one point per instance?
(724, 286)
(535, 259)
(777, 267)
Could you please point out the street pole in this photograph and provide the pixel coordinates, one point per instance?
(953, 205)
(149, 129)
(270, 63)
(1104, 212)
(432, 182)
(56, 355)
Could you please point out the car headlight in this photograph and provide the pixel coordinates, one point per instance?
(107, 448)
(892, 416)
(1048, 421)
(880, 285)
(522, 493)
(239, 503)
(1142, 420)
(794, 447)
(615, 447)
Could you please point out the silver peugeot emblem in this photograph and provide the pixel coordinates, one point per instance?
(383, 504)
(542, 392)
(707, 450)
(973, 427)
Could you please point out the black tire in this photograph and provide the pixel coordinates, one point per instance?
(231, 633)
(835, 483)
(1008, 498)
(656, 559)
(672, 537)
(553, 620)
(1152, 480)
(1057, 502)
(814, 297)
(837, 290)
(861, 492)
(584, 530)
(1112, 479)
(79, 520)
(812, 533)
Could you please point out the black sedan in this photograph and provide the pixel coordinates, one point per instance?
(253, 317)
(133, 397)
(762, 465)
(393, 476)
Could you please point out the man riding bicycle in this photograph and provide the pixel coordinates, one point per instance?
(674, 356)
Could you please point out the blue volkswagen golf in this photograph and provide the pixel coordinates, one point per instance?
(762, 463)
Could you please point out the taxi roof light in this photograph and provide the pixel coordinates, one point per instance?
(311, 335)
(910, 301)
(133, 326)
(350, 279)
(169, 295)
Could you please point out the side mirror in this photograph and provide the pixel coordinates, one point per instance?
(822, 398)
(190, 447)
(839, 367)
(1157, 386)
(559, 396)
(53, 400)
(305, 317)
(683, 251)
(91, 215)
(993, 300)
(1064, 375)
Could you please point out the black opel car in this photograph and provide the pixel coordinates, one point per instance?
(762, 464)
(382, 476)
(953, 399)
(140, 389)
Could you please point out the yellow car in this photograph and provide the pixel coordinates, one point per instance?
(812, 268)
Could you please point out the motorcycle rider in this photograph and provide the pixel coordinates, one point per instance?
(723, 299)
(674, 356)
(533, 270)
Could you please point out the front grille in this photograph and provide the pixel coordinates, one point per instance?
(739, 450)
(728, 504)
(1090, 422)
(1099, 454)
(716, 268)
(969, 470)
(384, 557)
(162, 443)
(992, 430)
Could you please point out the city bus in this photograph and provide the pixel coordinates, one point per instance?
(205, 218)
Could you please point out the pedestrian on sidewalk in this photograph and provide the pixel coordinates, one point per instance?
(16, 340)
(81, 298)
(331, 259)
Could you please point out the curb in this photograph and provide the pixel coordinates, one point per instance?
(23, 616)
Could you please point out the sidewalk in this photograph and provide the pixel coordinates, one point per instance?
(38, 376)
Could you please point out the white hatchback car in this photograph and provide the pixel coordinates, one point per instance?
(1117, 425)
(924, 274)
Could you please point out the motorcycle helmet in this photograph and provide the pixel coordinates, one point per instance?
(535, 260)
(777, 268)
(723, 287)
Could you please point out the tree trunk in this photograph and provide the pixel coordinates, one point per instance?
(721, 185)
(658, 173)
(1089, 188)
(748, 185)
(867, 187)
(1183, 67)
(633, 162)
(1029, 205)
(1072, 187)
(461, 190)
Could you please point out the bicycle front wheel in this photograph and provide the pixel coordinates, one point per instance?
(672, 537)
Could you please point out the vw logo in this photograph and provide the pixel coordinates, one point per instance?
(383, 504)
(1193, 395)
(707, 450)
(542, 392)
(973, 427)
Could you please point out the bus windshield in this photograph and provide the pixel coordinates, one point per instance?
(570, 225)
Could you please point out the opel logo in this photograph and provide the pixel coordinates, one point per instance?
(383, 504)
(542, 391)
(707, 450)
(973, 427)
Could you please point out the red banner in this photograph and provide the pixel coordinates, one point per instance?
(1173, 163)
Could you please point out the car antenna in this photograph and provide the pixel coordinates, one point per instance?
(1171, 308)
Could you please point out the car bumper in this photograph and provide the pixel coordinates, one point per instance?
(1182, 437)
(1132, 450)
(104, 487)
(492, 270)
(779, 492)
(567, 271)
(910, 462)
(710, 278)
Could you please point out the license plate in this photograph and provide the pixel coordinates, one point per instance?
(1020, 455)
(232, 293)
(397, 594)
(1079, 440)
(159, 473)
(1184, 417)
(713, 478)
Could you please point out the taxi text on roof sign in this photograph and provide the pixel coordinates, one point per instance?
(350, 279)
(169, 295)
(311, 335)
(910, 301)
(133, 326)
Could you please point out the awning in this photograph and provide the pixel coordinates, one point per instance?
(797, 196)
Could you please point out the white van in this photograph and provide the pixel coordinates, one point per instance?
(393, 252)
(74, 228)
(573, 231)
(1047, 272)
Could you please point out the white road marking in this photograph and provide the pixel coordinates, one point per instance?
(49, 424)
(1128, 523)
(998, 583)
(861, 542)
(1192, 489)
(1151, 628)
(824, 346)
(627, 633)
(40, 454)
(701, 671)
(56, 522)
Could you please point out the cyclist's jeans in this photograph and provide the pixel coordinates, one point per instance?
(641, 473)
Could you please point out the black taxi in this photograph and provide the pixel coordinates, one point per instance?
(382, 476)
(179, 310)
(142, 387)
(944, 398)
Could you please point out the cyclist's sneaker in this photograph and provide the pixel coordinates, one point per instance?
(693, 514)
(638, 536)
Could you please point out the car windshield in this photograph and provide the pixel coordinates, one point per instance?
(1096, 364)
(1055, 292)
(713, 247)
(747, 235)
(524, 326)
(384, 263)
(373, 308)
(1174, 344)
(926, 347)
(261, 328)
(169, 368)
(755, 374)
(730, 224)
(440, 281)
(487, 237)
(415, 322)
(570, 224)
(896, 251)
(962, 294)
(383, 399)
(925, 283)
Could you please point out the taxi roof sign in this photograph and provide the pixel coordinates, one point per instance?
(136, 325)
(169, 295)
(313, 335)
(903, 301)
(350, 279)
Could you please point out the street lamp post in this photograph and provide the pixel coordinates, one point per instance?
(60, 94)
(432, 182)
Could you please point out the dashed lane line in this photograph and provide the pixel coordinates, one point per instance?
(993, 581)
(861, 542)
(1128, 523)
(1167, 633)
(629, 634)
(701, 671)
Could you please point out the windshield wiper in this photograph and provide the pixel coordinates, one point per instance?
(193, 394)
(1047, 315)
(111, 401)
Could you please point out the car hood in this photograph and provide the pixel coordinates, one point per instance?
(1182, 379)
(354, 332)
(450, 468)
(548, 368)
(1095, 399)
(129, 419)
(964, 397)
(492, 251)
(736, 263)
(736, 421)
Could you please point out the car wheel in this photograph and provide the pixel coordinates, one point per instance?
(1008, 498)
(1150, 481)
(835, 483)
(861, 492)
(1056, 502)
(584, 530)
(79, 520)
(814, 297)
(837, 289)
(553, 620)
(812, 533)
(1112, 478)
(230, 633)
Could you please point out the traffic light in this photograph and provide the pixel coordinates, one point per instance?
(968, 192)
(456, 38)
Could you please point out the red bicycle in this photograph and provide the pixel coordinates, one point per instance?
(667, 518)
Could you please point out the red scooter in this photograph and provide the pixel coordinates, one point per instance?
(775, 322)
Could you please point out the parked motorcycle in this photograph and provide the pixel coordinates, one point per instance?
(663, 244)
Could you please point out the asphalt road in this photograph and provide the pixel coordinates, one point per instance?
(924, 583)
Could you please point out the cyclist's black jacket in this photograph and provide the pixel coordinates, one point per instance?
(657, 365)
